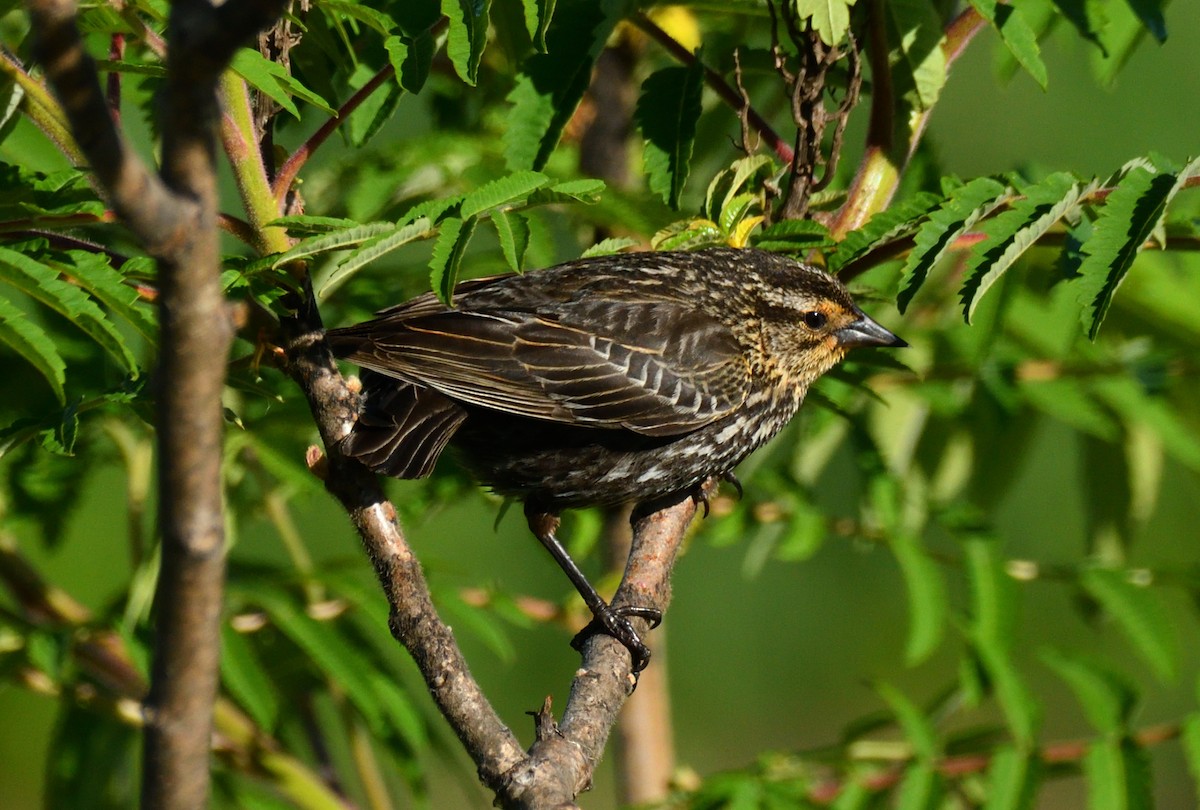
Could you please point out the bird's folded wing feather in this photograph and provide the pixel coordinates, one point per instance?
(652, 367)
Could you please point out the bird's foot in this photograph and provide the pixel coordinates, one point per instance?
(614, 621)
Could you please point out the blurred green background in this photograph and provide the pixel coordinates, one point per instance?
(784, 657)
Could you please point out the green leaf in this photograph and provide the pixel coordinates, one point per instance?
(447, 256)
(728, 183)
(327, 650)
(919, 789)
(1020, 709)
(538, 14)
(411, 60)
(927, 605)
(1013, 232)
(899, 220)
(309, 224)
(1105, 699)
(1191, 744)
(829, 18)
(793, 235)
(1140, 613)
(335, 240)
(917, 60)
(1132, 212)
(513, 231)
(965, 206)
(1150, 12)
(551, 84)
(30, 341)
(993, 594)
(1012, 779)
(243, 674)
(274, 81)
(467, 35)
(586, 191)
(394, 238)
(502, 192)
(1118, 776)
(371, 17)
(42, 283)
(667, 111)
(609, 247)
(917, 728)
(1018, 36)
(93, 273)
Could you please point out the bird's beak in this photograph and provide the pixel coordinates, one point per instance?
(866, 332)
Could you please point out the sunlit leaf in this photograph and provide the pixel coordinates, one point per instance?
(1013, 232)
(447, 256)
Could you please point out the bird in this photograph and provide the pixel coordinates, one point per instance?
(628, 378)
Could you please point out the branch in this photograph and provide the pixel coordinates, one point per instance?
(560, 764)
(175, 218)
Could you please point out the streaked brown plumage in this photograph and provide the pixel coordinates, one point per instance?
(622, 378)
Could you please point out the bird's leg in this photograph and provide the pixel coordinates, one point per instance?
(612, 621)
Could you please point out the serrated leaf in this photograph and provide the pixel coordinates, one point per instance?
(1140, 614)
(1131, 213)
(335, 240)
(793, 235)
(274, 81)
(551, 84)
(467, 35)
(512, 229)
(371, 17)
(1012, 780)
(954, 217)
(31, 342)
(244, 676)
(538, 14)
(93, 273)
(917, 59)
(666, 114)
(927, 603)
(829, 18)
(447, 256)
(1105, 700)
(392, 239)
(902, 218)
(587, 191)
(1014, 231)
(411, 60)
(609, 247)
(728, 183)
(42, 283)
(309, 224)
(503, 191)
(1017, 35)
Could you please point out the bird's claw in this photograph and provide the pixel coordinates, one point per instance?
(614, 622)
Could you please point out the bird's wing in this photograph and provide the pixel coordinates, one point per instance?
(652, 367)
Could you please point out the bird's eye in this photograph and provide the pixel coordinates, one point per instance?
(814, 319)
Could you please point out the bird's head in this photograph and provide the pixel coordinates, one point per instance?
(809, 322)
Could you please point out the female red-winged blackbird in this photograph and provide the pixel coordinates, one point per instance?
(628, 378)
